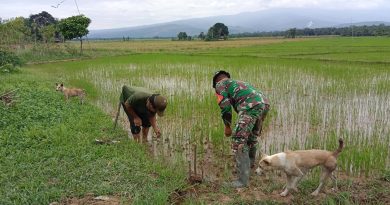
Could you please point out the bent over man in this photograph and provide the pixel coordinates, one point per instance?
(252, 107)
(141, 106)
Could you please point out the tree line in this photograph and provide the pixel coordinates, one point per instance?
(42, 28)
(373, 30)
(216, 32)
(220, 31)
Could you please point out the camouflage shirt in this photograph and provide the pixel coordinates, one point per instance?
(241, 95)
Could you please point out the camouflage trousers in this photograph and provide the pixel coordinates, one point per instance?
(249, 126)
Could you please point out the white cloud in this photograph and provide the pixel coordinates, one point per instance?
(123, 13)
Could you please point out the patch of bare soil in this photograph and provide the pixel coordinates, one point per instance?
(266, 189)
(8, 98)
(90, 199)
(369, 191)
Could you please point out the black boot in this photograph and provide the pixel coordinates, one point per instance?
(243, 166)
(252, 156)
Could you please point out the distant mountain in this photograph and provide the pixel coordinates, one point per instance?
(150, 31)
(265, 20)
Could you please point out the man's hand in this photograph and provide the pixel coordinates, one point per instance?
(228, 131)
(158, 132)
(137, 121)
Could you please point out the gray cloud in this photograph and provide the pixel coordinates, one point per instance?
(124, 13)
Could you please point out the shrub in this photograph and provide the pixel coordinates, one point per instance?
(9, 62)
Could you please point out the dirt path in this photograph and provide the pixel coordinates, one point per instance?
(266, 189)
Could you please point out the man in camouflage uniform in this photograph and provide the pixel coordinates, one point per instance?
(252, 106)
(141, 106)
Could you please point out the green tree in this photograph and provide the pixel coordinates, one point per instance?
(38, 21)
(291, 33)
(48, 33)
(182, 36)
(221, 30)
(75, 27)
(202, 36)
(14, 31)
(218, 31)
(210, 34)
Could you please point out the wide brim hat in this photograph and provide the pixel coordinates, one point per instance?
(159, 104)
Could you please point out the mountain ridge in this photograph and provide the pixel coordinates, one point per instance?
(258, 21)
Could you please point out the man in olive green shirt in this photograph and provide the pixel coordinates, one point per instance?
(141, 107)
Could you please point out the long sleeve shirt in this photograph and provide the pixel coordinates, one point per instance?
(240, 95)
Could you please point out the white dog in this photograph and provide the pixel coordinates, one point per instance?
(297, 163)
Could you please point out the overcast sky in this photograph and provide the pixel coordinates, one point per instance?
(125, 13)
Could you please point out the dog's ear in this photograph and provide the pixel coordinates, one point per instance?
(56, 84)
(266, 162)
(62, 84)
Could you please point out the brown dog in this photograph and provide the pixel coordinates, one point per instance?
(71, 92)
(297, 163)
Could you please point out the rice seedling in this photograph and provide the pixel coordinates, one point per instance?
(318, 94)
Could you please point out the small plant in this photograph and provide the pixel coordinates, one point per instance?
(9, 62)
(386, 175)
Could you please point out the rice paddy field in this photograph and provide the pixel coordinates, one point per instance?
(320, 89)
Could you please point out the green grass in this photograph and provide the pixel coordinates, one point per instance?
(48, 152)
(320, 90)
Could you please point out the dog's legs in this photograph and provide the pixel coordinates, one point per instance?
(295, 182)
(295, 171)
(324, 176)
(334, 179)
(298, 179)
(288, 185)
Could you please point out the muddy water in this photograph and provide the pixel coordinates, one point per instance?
(203, 162)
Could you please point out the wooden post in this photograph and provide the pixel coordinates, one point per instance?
(195, 159)
(189, 170)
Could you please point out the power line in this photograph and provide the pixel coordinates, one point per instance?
(77, 7)
(86, 36)
(56, 7)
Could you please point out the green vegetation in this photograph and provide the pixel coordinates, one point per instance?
(310, 83)
(75, 27)
(42, 27)
(182, 36)
(353, 30)
(9, 62)
(320, 89)
(48, 151)
(217, 31)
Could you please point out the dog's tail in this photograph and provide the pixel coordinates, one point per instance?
(339, 149)
(117, 114)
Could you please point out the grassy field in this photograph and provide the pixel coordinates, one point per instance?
(320, 89)
(48, 151)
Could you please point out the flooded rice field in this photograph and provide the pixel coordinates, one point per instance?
(308, 110)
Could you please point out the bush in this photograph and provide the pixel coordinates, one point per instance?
(9, 62)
